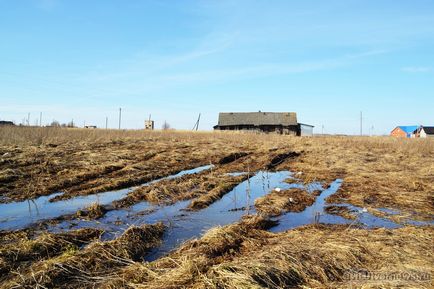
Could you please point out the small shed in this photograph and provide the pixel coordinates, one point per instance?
(404, 131)
(268, 122)
(306, 129)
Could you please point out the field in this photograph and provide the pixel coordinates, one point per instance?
(165, 209)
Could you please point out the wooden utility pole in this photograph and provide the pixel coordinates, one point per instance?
(196, 125)
(106, 122)
(361, 123)
(120, 117)
(40, 119)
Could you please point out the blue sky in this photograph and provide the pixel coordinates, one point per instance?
(325, 60)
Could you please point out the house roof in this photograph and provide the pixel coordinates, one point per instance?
(257, 118)
(408, 128)
(428, 129)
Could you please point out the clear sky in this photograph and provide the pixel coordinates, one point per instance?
(325, 60)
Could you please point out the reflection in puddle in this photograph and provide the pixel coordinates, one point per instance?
(18, 215)
(184, 225)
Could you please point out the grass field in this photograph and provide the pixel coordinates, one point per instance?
(379, 175)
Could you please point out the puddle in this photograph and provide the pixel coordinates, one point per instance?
(236, 174)
(184, 225)
(308, 216)
(17, 215)
(182, 173)
(388, 211)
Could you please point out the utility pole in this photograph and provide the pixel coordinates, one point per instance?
(120, 117)
(28, 119)
(361, 123)
(196, 125)
(322, 130)
(40, 119)
(106, 122)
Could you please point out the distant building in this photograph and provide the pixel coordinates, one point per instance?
(149, 125)
(268, 122)
(6, 123)
(425, 132)
(90, 126)
(404, 131)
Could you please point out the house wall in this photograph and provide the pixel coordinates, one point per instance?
(397, 132)
(423, 134)
(149, 124)
(288, 130)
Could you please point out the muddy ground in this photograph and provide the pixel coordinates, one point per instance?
(389, 179)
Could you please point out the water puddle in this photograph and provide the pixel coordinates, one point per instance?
(317, 213)
(17, 215)
(184, 225)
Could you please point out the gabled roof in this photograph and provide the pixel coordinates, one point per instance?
(257, 118)
(428, 129)
(409, 128)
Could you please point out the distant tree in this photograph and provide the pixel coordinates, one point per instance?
(70, 124)
(166, 125)
(55, 123)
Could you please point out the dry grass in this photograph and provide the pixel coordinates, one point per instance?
(279, 202)
(378, 172)
(224, 186)
(91, 265)
(93, 212)
(245, 256)
(320, 256)
(194, 258)
(344, 212)
(24, 251)
(86, 166)
(183, 188)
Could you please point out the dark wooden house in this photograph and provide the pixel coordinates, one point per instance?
(6, 123)
(268, 122)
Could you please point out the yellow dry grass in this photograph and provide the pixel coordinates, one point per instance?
(378, 172)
